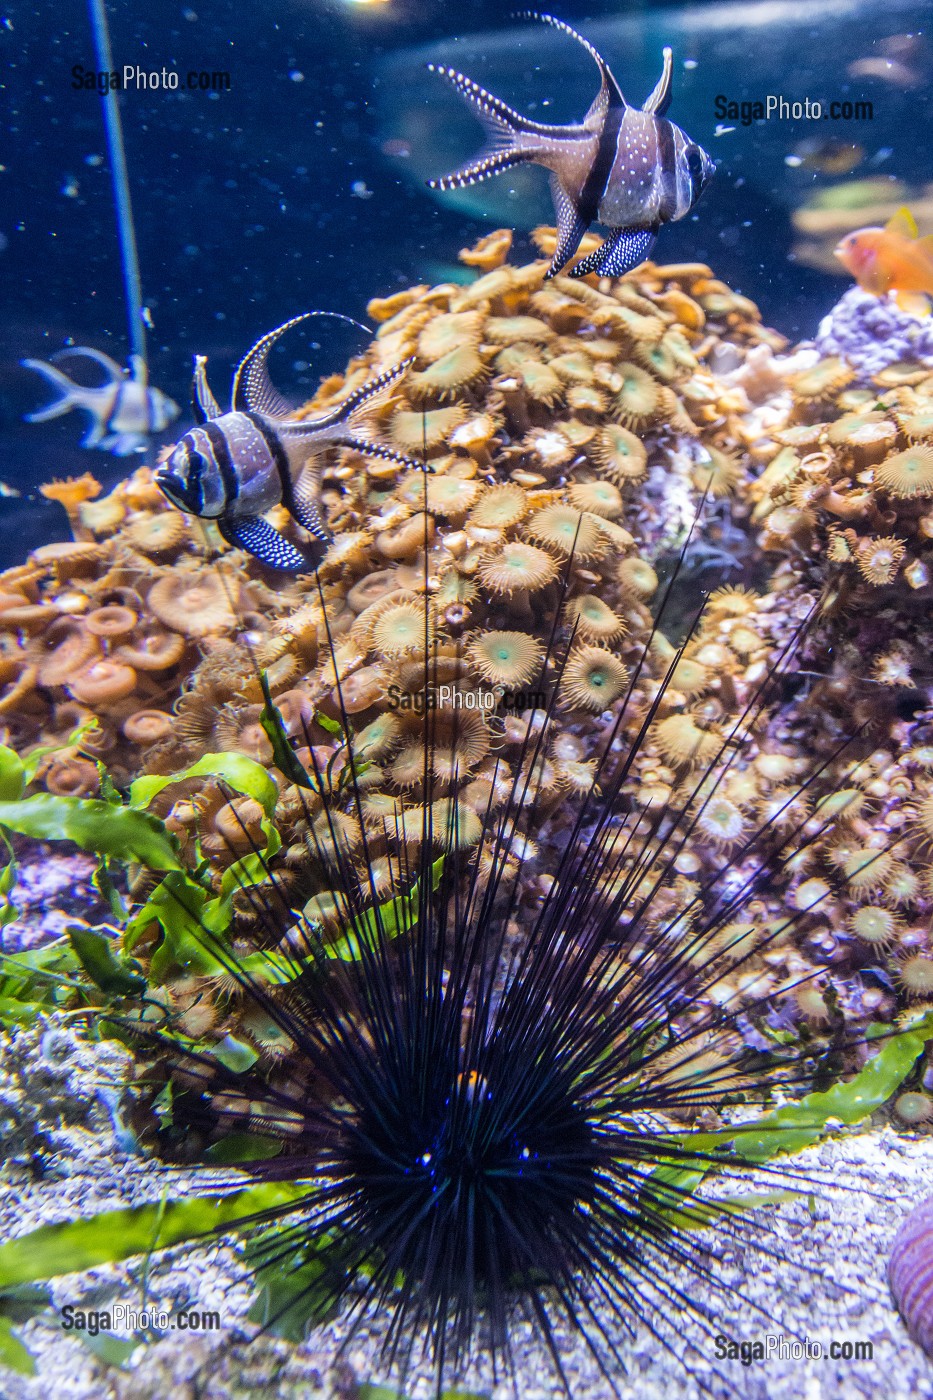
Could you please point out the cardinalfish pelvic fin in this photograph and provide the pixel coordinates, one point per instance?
(892, 259)
(235, 466)
(124, 410)
(629, 169)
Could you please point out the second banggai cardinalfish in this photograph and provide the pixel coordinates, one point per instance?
(627, 168)
(235, 466)
(124, 411)
(892, 259)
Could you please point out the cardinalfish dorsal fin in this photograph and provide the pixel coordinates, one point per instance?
(253, 390)
(610, 94)
(85, 352)
(204, 406)
(660, 99)
(903, 222)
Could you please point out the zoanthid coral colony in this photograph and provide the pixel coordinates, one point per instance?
(571, 463)
(509, 979)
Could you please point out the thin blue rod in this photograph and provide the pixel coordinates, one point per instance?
(121, 187)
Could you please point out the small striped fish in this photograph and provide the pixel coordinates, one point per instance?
(629, 169)
(233, 467)
(125, 410)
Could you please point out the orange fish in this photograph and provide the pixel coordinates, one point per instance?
(892, 259)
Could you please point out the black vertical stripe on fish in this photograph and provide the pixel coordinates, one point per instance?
(221, 450)
(277, 453)
(695, 167)
(115, 407)
(194, 484)
(667, 165)
(600, 171)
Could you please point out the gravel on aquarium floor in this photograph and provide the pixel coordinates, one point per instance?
(819, 1273)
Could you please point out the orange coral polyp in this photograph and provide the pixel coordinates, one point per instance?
(103, 683)
(194, 604)
(72, 491)
(153, 651)
(110, 622)
(66, 648)
(148, 727)
(72, 777)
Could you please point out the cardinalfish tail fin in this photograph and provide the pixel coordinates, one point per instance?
(67, 390)
(512, 138)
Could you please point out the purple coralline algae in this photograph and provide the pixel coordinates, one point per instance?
(872, 332)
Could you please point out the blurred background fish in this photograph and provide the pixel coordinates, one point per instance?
(892, 259)
(829, 157)
(835, 210)
(903, 60)
(124, 411)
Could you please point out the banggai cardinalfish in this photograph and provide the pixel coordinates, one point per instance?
(629, 169)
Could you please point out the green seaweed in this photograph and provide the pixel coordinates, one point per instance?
(14, 1352)
(113, 1235)
(789, 1128)
(112, 975)
(37, 981)
(290, 1300)
(18, 1305)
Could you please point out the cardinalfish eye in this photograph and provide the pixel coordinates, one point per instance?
(701, 169)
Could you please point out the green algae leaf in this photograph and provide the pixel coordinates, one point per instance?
(14, 1353)
(13, 777)
(696, 1214)
(242, 774)
(797, 1125)
(76, 1245)
(94, 825)
(189, 920)
(397, 915)
(790, 1128)
(333, 726)
(95, 954)
(235, 1054)
(8, 910)
(34, 981)
(243, 1147)
(283, 754)
(292, 1299)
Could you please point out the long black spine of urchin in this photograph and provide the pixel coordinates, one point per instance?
(494, 1106)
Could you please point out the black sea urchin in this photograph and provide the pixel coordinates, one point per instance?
(499, 1084)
